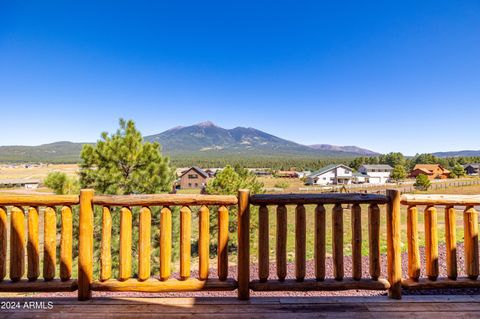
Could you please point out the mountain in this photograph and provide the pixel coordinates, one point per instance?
(203, 140)
(347, 149)
(457, 153)
(58, 152)
(208, 139)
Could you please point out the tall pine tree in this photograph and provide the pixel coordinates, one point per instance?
(121, 164)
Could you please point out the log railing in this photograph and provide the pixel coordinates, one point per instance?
(450, 204)
(27, 265)
(146, 281)
(25, 218)
(340, 280)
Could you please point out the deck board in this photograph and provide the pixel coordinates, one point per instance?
(258, 307)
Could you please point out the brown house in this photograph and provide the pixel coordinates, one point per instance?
(287, 174)
(194, 177)
(433, 171)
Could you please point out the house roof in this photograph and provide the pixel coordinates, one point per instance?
(377, 166)
(19, 181)
(358, 174)
(429, 168)
(473, 165)
(197, 169)
(327, 168)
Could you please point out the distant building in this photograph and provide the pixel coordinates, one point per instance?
(331, 175)
(359, 178)
(433, 171)
(303, 174)
(16, 183)
(472, 169)
(194, 177)
(377, 173)
(262, 172)
(287, 174)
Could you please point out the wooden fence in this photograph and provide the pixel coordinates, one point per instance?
(23, 244)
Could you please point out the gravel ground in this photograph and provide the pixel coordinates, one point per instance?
(311, 274)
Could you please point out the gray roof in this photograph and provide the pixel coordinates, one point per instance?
(474, 165)
(377, 166)
(357, 174)
(197, 169)
(19, 181)
(326, 169)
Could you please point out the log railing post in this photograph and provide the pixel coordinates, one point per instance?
(85, 245)
(17, 243)
(394, 262)
(470, 219)
(243, 244)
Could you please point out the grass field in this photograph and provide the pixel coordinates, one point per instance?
(36, 172)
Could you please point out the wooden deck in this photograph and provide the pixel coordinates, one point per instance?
(259, 307)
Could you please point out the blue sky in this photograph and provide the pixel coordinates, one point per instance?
(385, 75)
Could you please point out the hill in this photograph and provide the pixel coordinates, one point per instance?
(347, 149)
(465, 153)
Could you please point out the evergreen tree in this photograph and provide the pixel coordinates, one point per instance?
(122, 163)
(422, 182)
(399, 173)
(457, 171)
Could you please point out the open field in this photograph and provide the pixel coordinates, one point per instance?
(36, 172)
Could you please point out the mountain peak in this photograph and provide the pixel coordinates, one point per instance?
(206, 124)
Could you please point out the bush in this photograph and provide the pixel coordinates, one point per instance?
(281, 185)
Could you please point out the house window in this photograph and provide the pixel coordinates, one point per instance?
(189, 184)
(196, 184)
(324, 178)
(192, 176)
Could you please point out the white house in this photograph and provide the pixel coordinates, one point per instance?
(331, 175)
(377, 174)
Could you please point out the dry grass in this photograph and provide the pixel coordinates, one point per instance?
(37, 172)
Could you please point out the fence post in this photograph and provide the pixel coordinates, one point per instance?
(243, 244)
(394, 263)
(85, 245)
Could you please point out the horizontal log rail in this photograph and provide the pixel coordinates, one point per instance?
(164, 200)
(334, 198)
(22, 215)
(451, 204)
(440, 200)
(38, 200)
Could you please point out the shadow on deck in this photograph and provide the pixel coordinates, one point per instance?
(258, 307)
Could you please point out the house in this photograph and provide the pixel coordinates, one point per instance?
(359, 178)
(433, 171)
(377, 174)
(331, 174)
(261, 172)
(194, 177)
(472, 169)
(16, 183)
(287, 174)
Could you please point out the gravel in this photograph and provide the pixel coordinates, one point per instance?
(310, 273)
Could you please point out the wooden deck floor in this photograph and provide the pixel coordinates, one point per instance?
(260, 307)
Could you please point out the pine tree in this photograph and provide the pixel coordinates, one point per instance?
(122, 164)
